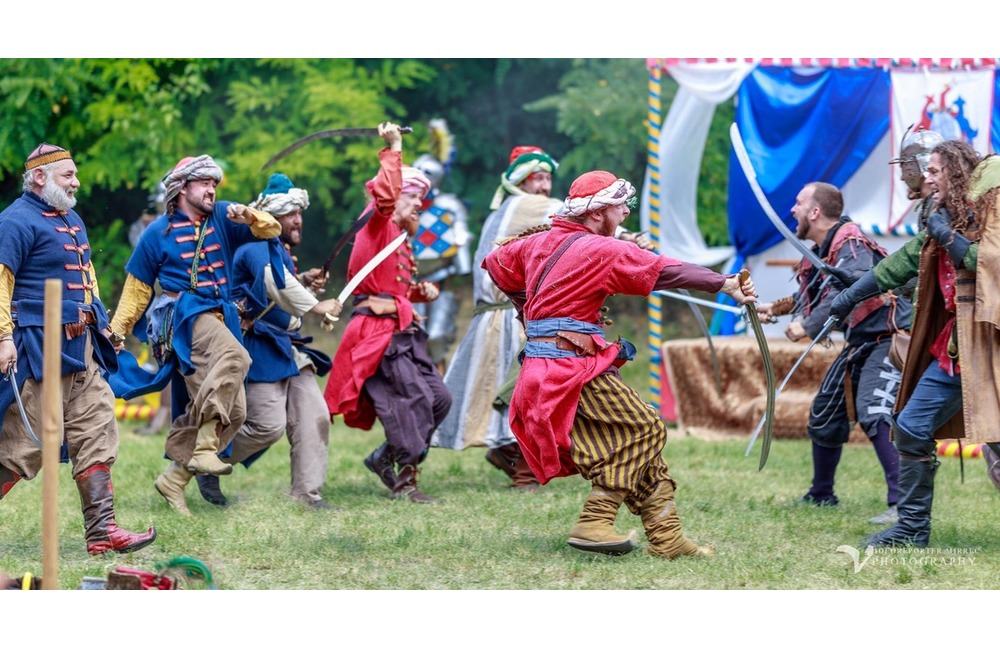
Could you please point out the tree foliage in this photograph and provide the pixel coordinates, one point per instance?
(128, 121)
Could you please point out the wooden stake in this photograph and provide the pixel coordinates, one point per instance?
(52, 432)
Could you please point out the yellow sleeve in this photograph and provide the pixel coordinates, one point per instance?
(264, 226)
(135, 298)
(96, 292)
(6, 295)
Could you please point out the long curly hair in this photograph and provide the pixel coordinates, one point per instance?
(959, 159)
(987, 203)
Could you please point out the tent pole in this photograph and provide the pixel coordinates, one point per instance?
(654, 309)
(52, 432)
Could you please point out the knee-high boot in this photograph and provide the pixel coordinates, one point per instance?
(171, 483)
(7, 480)
(205, 459)
(663, 525)
(917, 466)
(595, 529)
(100, 529)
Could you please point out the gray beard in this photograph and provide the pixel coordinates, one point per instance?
(57, 197)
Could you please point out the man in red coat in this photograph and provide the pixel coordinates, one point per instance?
(382, 368)
(570, 411)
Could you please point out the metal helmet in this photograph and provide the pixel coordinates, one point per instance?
(157, 200)
(431, 167)
(914, 155)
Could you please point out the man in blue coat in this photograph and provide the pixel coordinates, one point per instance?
(193, 325)
(42, 237)
(282, 393)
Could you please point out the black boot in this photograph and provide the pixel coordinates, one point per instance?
(381, 464)
(917, 466)
(208, 485)
(825, 461)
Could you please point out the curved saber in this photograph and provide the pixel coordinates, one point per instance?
(744, 158)
(365, 271)
(329, 133)
(827, 326)
(754, 319)
(20, 405)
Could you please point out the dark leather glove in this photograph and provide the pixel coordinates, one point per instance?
(848, 299)
(955, 244)
(939, 227)
(841, 279)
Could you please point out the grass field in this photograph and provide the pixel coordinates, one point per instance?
(507, 550)
(484, 536)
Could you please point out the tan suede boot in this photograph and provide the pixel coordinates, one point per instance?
(205, 459)
(663, 525)
(171, 483)
(595, 529)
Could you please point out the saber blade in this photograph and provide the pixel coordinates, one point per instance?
(744, 159)
(20, 405)
(365, 271)
(698, 301)
(830, 322)
(370, 266)
(329, 133)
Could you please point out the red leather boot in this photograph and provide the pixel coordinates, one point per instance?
(100, 529)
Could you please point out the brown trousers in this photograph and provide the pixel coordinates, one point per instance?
(617, 440)
(215, 388)
(294, 405)
(89, 425)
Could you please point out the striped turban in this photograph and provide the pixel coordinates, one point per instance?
(594, 191)
(524, 162)
(190, 169)
(281, 197)
(415, 180)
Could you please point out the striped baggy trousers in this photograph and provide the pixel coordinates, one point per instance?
(617, 439)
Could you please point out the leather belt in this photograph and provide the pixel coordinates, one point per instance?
(583, 345)
(76, 329)
(86, 318)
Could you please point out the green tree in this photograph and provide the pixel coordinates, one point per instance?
(602, 107)
(129, 121)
